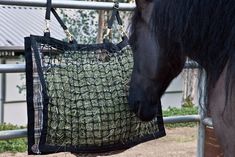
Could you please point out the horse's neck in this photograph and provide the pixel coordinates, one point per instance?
(213, 64)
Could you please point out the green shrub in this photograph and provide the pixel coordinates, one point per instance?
(14, 145)
(188, 102)
(173, 111)
(5, 126)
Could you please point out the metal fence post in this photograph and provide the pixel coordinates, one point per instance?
(202, 113)
(2, 92)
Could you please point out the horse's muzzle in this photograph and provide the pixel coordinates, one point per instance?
(145, 111)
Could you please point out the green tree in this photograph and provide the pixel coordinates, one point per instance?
(88, 26)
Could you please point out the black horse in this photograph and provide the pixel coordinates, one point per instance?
(163, 34)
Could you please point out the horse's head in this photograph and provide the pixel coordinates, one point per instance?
(154, 65)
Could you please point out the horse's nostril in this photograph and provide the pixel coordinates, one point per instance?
(145, 112)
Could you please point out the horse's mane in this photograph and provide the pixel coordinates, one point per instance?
(133, 34)
(205, 29)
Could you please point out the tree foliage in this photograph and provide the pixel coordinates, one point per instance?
(88, 26)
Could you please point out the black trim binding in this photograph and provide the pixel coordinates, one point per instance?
(29, 88)
(48, 149)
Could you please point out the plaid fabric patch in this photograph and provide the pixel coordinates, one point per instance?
(38, 105)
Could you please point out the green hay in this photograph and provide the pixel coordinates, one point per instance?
(88, 104)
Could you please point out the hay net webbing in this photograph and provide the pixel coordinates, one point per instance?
(77, 98)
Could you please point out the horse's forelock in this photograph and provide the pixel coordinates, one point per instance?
(133, 34)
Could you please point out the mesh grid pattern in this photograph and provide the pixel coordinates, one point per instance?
(87, 87)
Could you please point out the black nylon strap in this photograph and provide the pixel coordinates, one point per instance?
(58, 19)
(119, 18)
(115, 14)
(123, 43)
(49, 9)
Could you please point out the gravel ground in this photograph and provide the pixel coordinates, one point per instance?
(179, 142)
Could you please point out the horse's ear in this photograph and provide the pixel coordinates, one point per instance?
(142, 4)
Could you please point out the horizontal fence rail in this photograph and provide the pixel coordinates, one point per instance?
(12, 68)
(70, 4)
(182, 119)
(19, 68)
(11, 134)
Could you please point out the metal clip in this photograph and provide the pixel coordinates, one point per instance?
(108, 30)
(124, 33)
(116, 5)
(47, 27)
(69, 35)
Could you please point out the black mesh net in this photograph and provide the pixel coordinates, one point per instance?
(77, 98)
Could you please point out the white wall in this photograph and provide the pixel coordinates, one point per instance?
(12, 92)
(174, 93)
(15, 113)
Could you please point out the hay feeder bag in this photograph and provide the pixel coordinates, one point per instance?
(77, 95)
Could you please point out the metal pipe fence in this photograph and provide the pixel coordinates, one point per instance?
(203, 121)
(12, 68)
(20, 68)
(70, 4)
(10, 134)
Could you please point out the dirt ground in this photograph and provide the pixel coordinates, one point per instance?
(179, 142)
